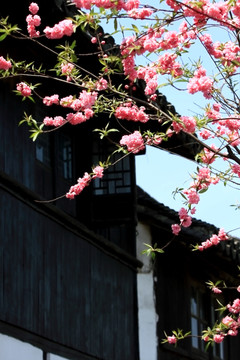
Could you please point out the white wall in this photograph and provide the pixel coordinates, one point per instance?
(13, 349)
(54, 357)
(147, 318)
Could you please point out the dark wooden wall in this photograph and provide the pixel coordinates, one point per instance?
(16, 149)
(61, 287)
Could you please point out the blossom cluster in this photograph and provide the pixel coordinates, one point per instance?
(213, 240)
(149, 75)
(235, 307)
(151, 42)
(229, 325)
(192, 196)
(56, 121)
(78, 188)
(131, 6)
(50, 100)
(167, 64)
(101, 84)
(218, 12)
(207, 156)
(185, 221)
(203, 179)
(134, 142)
(33, 20)
(128, 111)
(140, 13)
(185, 123)
(81, 105)
(64, 27)
(107, 4)
(84, 181)
(201, 82)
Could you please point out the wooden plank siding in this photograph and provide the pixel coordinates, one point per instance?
(61, 287)
(16, 148)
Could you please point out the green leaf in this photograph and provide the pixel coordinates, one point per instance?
(203, 191)
(3, 36)
(135, 28)
(115, 24)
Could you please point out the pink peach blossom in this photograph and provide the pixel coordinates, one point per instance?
(24, 89)
(218, 338)
(78, 188)
(216, 290)
(64, 27)
(33, 8)
(172, 339)
(5, 64)
(50, 100)
(98, 172)
(134, 142)
(176, 228)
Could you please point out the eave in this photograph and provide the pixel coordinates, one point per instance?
(162, 217)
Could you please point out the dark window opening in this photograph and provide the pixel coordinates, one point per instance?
(42, 150)
(203, 314)
(65, 157)
(199, 317)
(218, 349)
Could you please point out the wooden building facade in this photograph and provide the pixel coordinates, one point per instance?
(68, 268)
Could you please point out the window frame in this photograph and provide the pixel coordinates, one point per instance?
(204, 299)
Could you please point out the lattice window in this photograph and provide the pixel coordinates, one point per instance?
(117, 179)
